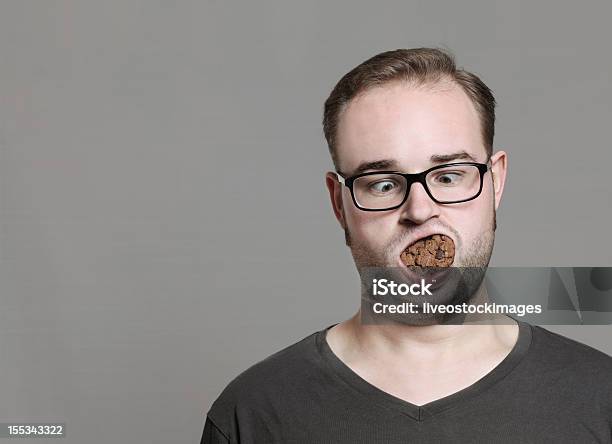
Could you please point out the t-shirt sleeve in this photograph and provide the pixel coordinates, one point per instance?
(212, 434)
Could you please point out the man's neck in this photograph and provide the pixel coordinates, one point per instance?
(422, 363)
(420, 344)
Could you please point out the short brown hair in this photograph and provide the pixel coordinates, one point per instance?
(419, 66)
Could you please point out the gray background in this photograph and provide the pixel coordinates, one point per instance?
(164, 221)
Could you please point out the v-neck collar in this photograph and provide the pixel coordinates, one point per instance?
(429, 409)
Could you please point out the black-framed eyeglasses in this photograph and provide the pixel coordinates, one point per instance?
(445, 184)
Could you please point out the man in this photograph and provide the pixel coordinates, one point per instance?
(417, 379)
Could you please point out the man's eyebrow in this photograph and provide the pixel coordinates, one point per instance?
(444, 158)
(383, 164)
(391, 164)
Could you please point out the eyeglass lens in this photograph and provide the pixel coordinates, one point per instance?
(446, 185)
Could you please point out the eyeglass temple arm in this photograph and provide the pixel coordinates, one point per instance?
(340, 178)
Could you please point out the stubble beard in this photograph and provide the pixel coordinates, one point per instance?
(472, 262)
(477, 254)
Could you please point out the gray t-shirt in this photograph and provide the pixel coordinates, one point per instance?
(549, 389)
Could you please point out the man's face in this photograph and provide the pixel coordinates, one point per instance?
(405, 127)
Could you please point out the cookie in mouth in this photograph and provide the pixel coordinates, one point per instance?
(437, 250)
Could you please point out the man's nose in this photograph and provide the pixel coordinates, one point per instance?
(419, 207)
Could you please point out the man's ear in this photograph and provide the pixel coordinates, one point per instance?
(499, 167)
(335, 195)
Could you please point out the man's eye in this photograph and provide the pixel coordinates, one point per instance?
(449, 178)
(383, 186)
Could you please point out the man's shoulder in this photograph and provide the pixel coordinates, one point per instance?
(264, 384)
(557, 352)
(567, 347)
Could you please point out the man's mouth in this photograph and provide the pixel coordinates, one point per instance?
(436, 251)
